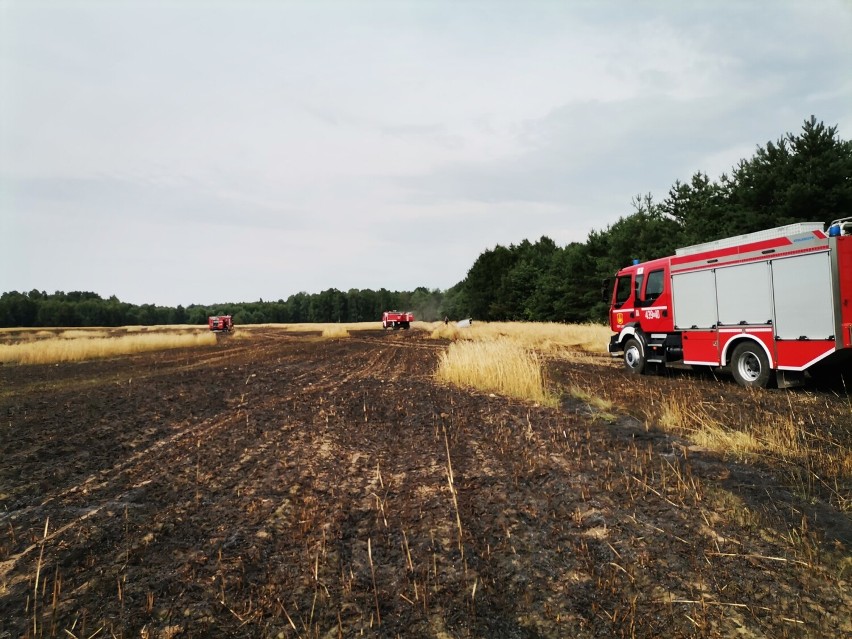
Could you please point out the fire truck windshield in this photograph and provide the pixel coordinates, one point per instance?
(623, 290)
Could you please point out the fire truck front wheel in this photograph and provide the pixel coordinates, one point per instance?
(750, 365)
(634, 357)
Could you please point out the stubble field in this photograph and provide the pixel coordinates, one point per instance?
(285, 485)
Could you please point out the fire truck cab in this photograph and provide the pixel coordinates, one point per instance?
(768, 306)
(220, 323)
(397, 320)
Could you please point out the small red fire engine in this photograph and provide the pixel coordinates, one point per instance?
(220, 323)
(396, 320)
(768, 305)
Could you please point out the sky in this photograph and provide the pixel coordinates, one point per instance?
(229, 151)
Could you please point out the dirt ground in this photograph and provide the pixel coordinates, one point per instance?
(289, 486)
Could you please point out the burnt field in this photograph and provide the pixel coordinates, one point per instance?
(290, 486)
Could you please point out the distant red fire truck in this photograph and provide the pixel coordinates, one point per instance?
(396, 320)
(220, 323)
(768, 305)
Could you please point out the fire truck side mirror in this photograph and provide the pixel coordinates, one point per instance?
(606, 290)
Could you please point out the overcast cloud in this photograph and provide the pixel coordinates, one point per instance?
(199, 152)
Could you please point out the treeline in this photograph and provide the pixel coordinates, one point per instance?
(38, 308)
(800, 178)
(804, 177)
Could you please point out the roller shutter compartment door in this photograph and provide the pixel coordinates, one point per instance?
(744, 294)
(694, 300)
(803, 298)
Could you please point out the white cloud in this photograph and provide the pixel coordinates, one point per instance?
(314, 143)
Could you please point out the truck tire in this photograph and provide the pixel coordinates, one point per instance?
(634, 356)
(750, 365)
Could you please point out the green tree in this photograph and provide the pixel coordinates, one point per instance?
(700, 208)
(18, 309)
(484, 284)
(820, 174)
(800, 178)
(454, 304)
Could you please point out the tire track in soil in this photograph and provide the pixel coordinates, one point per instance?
(275, 514)
(262, 513)
(103, 488)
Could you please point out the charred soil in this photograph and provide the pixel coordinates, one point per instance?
(290, 486)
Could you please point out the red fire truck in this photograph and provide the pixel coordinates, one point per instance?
(396, 319)
(768, 305)
(220, 323)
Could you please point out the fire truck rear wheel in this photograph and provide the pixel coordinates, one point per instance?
(750, 365)
(634, 357)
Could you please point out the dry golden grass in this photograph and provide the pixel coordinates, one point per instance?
(171, 328)
(506, 357)
(60, 349)
(311, 328)
(678, 416)
(335, 331)
(544, 337)
(502, 366)
(19, 335)
(19, 329)
(82, 333)
(601, 406)
(450, 332)
(776, 439)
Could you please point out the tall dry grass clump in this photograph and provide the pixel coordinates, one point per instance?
(545, 337)
(449, 331)
(335, 331)
(60, 349)
(502, 366)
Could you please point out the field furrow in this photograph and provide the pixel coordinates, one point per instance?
(286, 485)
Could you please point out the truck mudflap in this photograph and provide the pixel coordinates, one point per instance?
(615, 347)
(617, 341)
